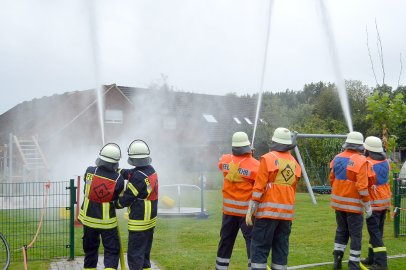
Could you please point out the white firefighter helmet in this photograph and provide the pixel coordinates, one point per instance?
(373, 144)
(282, 135)
(110, 153)
(240, 139)
(355, 137)
(138, 149)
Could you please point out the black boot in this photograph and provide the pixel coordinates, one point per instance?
(338, 257)
(370, 259)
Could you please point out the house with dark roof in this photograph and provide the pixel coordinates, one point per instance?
(186, 132)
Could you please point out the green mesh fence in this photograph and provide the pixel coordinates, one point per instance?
(319, 178)
(399, 194)
(21, 206)
(317, 154)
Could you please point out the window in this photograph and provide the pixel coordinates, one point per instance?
(237, 120)
(209, 118)
(248, 120)
(113, 117)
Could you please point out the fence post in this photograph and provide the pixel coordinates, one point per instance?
(72, 191)
(10, 158)
(202, 214)
(396, 203)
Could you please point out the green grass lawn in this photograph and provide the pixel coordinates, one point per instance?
(190, 243)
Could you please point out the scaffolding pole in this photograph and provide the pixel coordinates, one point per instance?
(305, 176)
(10, 159)
(300, 160)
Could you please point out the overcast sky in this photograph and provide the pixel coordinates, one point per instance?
(202, 46)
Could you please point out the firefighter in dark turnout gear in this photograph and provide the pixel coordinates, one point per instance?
(239, 170)
(98, 214)
(141, 198)
(380, 193)
(349, 199)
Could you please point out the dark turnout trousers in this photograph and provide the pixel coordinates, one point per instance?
(91, 243)
(349, 225)
(228, 233)
(139, 249)
(270, 234)
(377, 250)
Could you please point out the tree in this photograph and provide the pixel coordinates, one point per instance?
(387, 114)
(310, 91)
(327, 104)
(316, 152)
(401, 133)
(402, 90)
(357, 95)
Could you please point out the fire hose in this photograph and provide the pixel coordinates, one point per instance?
(26, 247)
(122, 260)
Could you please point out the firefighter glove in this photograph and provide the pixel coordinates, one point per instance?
(368, 210)
(252, 208)
(117, 205)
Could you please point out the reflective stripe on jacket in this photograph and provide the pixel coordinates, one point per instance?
(239, 175)
(275, 186)
(349, 182)
(95, 214)
(141, 197)
(379, 188)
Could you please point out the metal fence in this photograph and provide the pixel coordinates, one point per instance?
(399, 192)
(21, 208)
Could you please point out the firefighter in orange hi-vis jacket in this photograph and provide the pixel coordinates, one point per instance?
(349, 198)
(239, 170)
(380, 193)
(98, 214)
(273, 203)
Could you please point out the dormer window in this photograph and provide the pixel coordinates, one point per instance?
(248, 120)
(237, 120)
(209, 118)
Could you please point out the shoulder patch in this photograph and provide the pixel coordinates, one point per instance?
(89, 176)
(244, 172)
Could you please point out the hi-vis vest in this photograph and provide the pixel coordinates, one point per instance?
(152, 186)
(100, 215)
(349, 182)
(275, 186)
(239, 176)
(379, 189)
(101, 188)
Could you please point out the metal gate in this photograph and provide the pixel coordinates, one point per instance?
(21, 207)
(399, 192)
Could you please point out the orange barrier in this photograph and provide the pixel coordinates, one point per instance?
(77, 222)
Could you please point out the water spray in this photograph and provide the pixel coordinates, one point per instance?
(342, 92)
(261, 87)
(96, 55)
